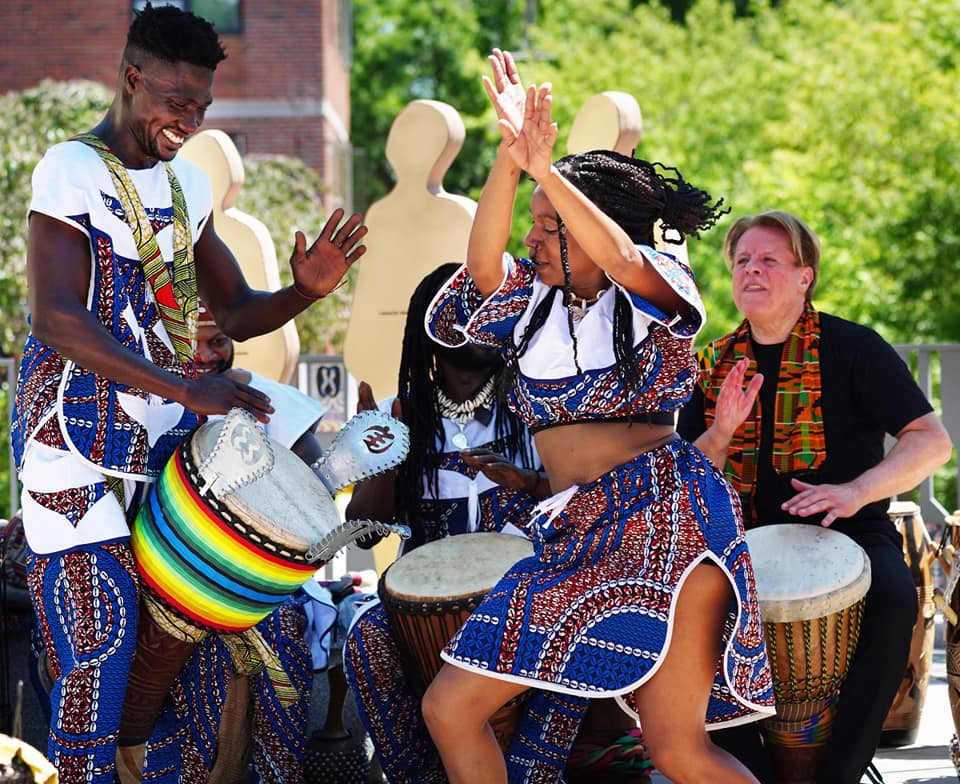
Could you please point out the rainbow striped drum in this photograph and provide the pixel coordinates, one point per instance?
(236, 523)
(225, 564)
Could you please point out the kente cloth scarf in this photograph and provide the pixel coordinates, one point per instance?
(798, 438)
(177, 299)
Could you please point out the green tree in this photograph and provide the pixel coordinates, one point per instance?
(843, 113)
(406, 50)
(800, 107)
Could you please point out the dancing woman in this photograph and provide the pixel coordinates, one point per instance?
(641, 587)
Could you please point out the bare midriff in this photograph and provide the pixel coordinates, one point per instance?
(579, 453)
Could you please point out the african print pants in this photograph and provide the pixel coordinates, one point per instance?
(389, 708)
(86, 605)
(185, 743)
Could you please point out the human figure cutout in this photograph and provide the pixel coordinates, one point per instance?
(413, 229)
(612, 121)
(274, 355)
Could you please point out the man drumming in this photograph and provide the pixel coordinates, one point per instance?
(120, 243)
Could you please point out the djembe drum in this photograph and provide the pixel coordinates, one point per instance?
(811, 585)
(903, 719)
(234, 525)
(429, 593)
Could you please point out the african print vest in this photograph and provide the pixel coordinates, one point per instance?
(122, 430)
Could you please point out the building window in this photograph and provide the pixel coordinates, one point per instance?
(224, 15)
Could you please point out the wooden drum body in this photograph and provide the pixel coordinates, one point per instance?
(811, 585)
(903, 720)
(429, 592)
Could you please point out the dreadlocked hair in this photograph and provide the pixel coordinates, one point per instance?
(635, 195)
(568, 290)
(419, 377)
(175, 36)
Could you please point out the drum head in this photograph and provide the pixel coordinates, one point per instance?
(455, 567)
(289, 504)
(806, 571)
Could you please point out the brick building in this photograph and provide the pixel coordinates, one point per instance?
(284, 87)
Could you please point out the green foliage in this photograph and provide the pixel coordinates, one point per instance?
(406, 50)
(841, 112)
(30, 122)
(286, 194)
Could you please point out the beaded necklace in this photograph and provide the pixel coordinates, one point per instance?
(578, 305)
(461, 413)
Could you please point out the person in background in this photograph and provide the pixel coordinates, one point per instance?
(120, 243)
(795, 404)
(471, 467)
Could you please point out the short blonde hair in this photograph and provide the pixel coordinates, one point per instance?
(803, 241)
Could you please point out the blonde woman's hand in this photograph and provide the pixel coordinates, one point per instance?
(735, 401)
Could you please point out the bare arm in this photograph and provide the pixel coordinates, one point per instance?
(490, 231)
(922, 446)
(58, 276)
(242, 312)
(608, 245)
(529, 140)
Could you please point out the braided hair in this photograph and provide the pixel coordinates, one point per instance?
(635, 195)
(419, 377)
(174, 36)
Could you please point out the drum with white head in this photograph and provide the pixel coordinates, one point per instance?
(811, 584)
(429, 592)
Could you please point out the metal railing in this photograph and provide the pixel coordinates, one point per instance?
(936, 366)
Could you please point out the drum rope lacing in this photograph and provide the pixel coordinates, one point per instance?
(461, 413)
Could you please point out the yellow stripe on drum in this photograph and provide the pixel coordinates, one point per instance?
(184, 593)
(205, 534)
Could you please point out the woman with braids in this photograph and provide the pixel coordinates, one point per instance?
(641, 586)
(471, 467)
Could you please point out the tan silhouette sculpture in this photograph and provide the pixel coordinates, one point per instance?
(413, 229)
(612, 121)
(274, 355)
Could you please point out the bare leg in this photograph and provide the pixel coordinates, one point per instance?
(673, 704)
(456, 708)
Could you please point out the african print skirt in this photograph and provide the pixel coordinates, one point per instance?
(590, 613)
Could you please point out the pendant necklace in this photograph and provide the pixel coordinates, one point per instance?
(578, 305)
(477, 407)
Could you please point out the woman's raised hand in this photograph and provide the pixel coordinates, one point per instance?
(523, 116)
(506, 92)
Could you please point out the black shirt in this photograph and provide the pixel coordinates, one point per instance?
(868, 391)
